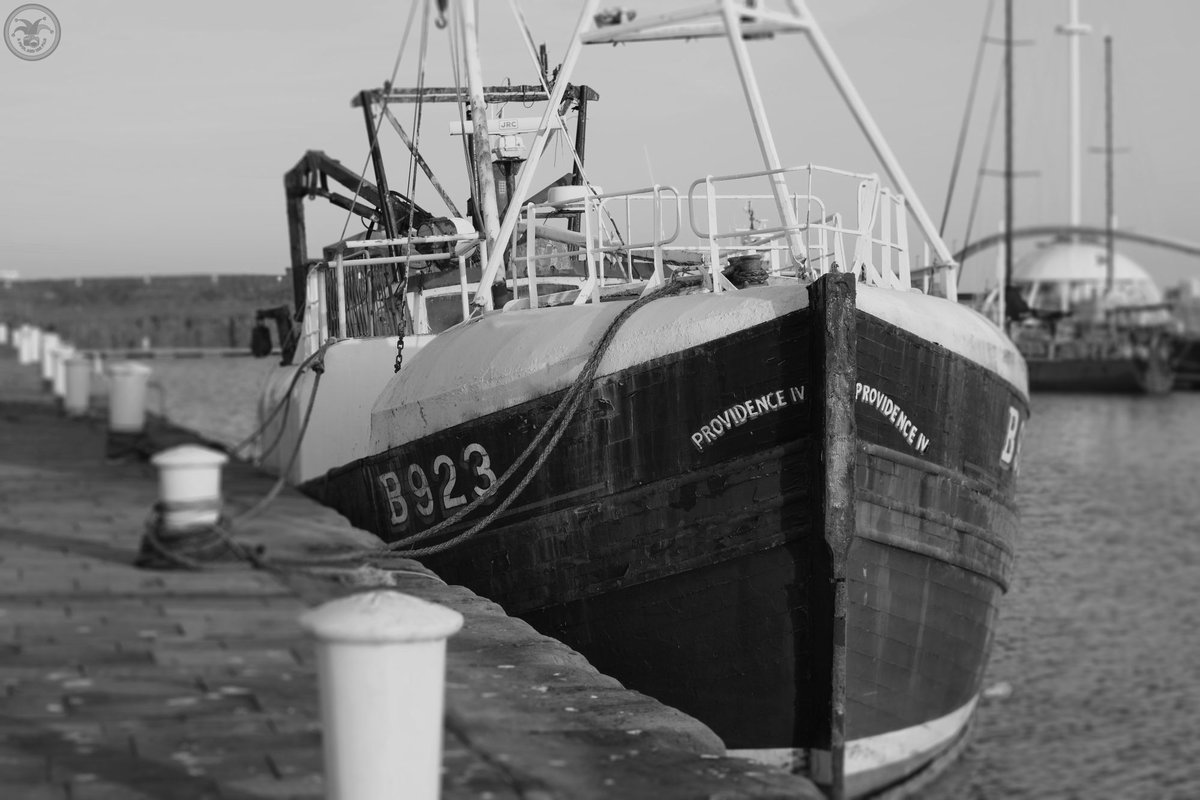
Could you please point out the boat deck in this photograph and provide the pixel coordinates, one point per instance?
(122, 682)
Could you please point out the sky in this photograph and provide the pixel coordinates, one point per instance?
(154, 139)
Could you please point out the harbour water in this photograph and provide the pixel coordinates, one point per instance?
(1099, 639)
(216, 397)
(1094, 682)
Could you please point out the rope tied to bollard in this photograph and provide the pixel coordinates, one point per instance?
(210, 545)
(194, 547)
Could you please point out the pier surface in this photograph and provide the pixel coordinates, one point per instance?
(122, 683)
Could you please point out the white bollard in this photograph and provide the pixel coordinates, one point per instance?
(59, 360)
(3, 333)
(127, 397)
(50, 344)
(77, 395)
(189, 486)
(33, 346)
(381, 658)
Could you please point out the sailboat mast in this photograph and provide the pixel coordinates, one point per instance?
(1073, 30)
(1108, 165)
(485, 187)
(1008, 144)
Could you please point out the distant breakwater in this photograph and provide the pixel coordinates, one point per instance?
(152, 311)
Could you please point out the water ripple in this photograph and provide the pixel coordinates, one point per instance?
(1100, 634)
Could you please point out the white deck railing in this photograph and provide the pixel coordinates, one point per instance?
(600, 240)
(872, 242)
(357, 296)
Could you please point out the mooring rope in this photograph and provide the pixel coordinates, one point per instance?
(192, 547)
(281, 481)
(179, 551)
(554, 427)
(284, 404)
(197, 547)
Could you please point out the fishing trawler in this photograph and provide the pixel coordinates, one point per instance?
(764, 475)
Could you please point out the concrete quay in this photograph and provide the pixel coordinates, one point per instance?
(122, 683)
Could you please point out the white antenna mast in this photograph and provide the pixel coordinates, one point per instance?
(485, 200)
(1073, 30)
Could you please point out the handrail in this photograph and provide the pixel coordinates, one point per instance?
(808, 168)
(656, 191)
(404, 240)
(881, 225)
(594, 212)
(363, 298)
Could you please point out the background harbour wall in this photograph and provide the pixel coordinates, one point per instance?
(163, 311)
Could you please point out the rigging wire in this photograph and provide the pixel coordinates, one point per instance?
(418, 115)
(412, 13)
(962, 133)
(531, 48)
(410, 189)
(987, 149)
(460, 102)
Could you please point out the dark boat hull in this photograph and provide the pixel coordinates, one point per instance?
(676, 535)
(1114, 375)
(1185, 357)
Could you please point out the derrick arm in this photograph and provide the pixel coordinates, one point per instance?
(310, 178)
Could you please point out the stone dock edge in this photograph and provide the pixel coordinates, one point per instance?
(122, 683)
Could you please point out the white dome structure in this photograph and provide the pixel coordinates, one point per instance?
(1064, 275)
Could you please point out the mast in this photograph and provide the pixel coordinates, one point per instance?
(762, 130)
(385, 202)
(891, 165)
(1110, 222)
(495, 258)
(580, 145)
(1008, 144)
(485, 189)
(1073, 30)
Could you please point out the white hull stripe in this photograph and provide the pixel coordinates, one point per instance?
(873, 762)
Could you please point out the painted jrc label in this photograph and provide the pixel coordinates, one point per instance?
(737, 415)
(410, 492)
(889, 408)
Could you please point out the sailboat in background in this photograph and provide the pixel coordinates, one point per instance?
(1185, 357)
(767, 478)
(1085, 317)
